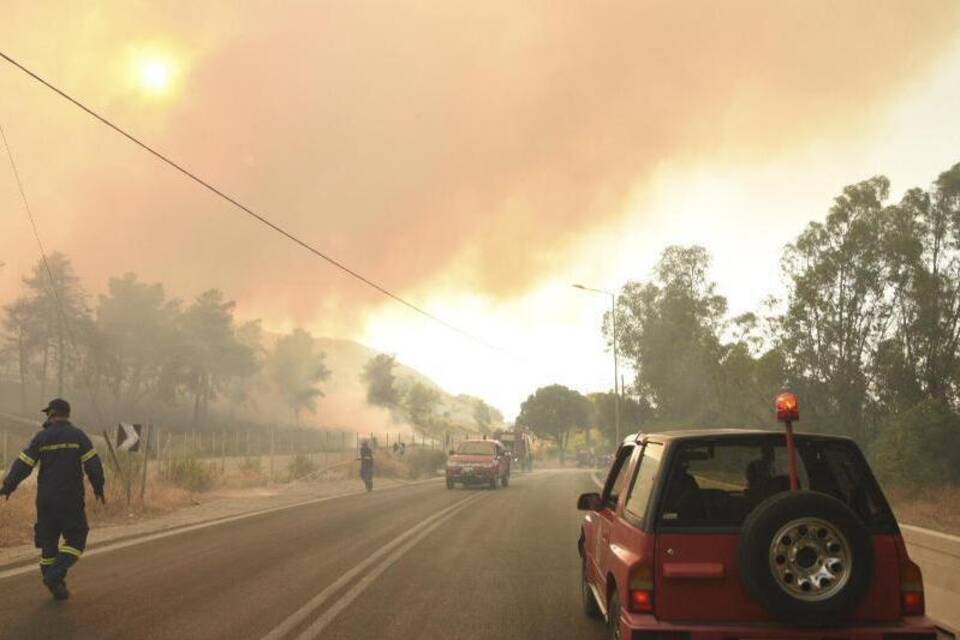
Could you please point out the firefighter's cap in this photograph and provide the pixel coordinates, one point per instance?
(58, 406)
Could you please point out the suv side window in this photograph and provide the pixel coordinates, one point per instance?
(649, 466)
(617, 478)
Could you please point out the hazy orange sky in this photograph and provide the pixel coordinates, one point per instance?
(477, 157)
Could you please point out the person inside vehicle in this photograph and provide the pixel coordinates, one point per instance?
(762, 482)
(682, 501)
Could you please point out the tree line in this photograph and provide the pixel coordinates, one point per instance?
(135, 347)
(135, 351)
(865, 329)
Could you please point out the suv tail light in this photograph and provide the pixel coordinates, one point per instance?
(641, 589)
(911, 589)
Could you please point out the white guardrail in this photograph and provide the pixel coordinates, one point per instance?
(938, 555)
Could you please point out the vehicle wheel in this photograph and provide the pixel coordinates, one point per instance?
(590, 606)
(806, 557)
(505, 480)
(613, 616)
(450, 484)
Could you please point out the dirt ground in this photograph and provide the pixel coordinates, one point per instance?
(937, 509)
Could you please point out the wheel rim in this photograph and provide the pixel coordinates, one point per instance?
(810, 559)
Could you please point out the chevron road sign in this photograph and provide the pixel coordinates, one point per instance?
(128, 437)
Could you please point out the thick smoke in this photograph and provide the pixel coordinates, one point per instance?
(410, 139)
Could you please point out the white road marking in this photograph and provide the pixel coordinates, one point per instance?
(123, 544)
(406, 541)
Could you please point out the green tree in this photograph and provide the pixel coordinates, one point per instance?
(20, 340)
(137, 326)
(669, 332)
(419, 404)
(634, 414)
(920, 360)
(209, 353)
(919, 445)
(553, 411)
(378, 375)
(57, 314)
(839, 306)
(297, 371)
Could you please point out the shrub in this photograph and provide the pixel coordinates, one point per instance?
(918, 447)
(251, 467)
(190, 473)
(301, 466)
(424, 462)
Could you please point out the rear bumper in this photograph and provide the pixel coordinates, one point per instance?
(473, 478)
(646, 627)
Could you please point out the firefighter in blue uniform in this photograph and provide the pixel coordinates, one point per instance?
(366, 465)
(64, 453)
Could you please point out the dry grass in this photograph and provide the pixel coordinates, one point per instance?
(937, 509)
(19, 513)
(165, 496)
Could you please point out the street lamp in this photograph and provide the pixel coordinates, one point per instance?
(616, 371)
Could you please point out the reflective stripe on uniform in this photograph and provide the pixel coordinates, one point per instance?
(64, 445)
(27, 459)
(46, 562)
(88, 455)
(71, 550)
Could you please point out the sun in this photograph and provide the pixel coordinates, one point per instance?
(156, 74)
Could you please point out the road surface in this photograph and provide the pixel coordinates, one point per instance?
(414, 562)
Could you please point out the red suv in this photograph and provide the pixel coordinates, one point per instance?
(697, 535)
(475, 462)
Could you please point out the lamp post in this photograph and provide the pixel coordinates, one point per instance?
(616, 368)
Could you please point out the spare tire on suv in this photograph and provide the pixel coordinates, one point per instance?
(806, 557)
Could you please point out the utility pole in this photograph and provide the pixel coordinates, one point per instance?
(616, 365)
(616, 370)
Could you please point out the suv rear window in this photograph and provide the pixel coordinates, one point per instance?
(477, 448)
(716, 483)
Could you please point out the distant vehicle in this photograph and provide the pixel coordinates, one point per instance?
(479, 462)
(703, 534)
(520, 445)
(586, 458)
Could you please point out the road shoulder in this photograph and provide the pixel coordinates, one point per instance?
(214, 507)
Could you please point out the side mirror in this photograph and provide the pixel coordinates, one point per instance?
(589, 502)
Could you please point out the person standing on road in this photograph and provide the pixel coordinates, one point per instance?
(366, 465)
(64, 453)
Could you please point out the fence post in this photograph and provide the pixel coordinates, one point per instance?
(273, 431)
(146, 460)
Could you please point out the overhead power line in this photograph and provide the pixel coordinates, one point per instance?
(65, 321)
(244, 208)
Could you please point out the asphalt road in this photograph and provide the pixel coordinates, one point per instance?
(413, 562)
